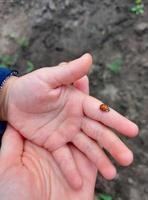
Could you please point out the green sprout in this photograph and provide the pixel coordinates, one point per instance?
(138, 1)
(30, 66)
(115, 65)
(12, 60)
(103, 196)
(8, 60)
(23, 42)
(138, 8)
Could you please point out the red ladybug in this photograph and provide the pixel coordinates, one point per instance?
(104, 107)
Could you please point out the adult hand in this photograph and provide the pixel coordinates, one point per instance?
(48, 110)
(28, 172)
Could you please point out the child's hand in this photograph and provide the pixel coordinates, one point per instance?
(48, 110)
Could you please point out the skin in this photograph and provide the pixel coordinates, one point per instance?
(29, 172)
(49, 109)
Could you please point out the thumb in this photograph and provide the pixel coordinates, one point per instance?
(68, 74)
(12, 147)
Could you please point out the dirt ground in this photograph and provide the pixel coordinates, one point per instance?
(60, 30)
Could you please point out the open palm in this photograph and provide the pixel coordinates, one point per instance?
(29, 172)
(48, 110)
(48, 117)
(45, 107)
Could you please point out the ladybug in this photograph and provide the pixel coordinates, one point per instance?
(104, 107)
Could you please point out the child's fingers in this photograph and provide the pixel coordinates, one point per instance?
(87, 169)
(95, 154)
(63, 157)
(108, 140)
(113, 119)
(82, 84)
(68, 74)
(63, 64)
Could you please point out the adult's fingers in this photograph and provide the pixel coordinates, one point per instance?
(82, 84)
(95, 154)
(85, 166)
(88, 172)
(12, 147)
(112, 119)
(65, 161)
(108, 140)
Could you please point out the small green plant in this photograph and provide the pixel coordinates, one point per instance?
(30, 66)
(103, 196)
(12, 61)
(116, 65)
(8, 60)
(23, 42)
(138, 8)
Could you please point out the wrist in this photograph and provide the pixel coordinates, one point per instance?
(4, 93)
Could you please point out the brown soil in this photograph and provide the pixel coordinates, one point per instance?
(61, 30)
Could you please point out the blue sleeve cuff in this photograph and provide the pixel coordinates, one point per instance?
(3, 126)
(5, 73)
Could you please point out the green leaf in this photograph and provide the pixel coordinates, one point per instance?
(30, 66)
(103, 196)
(2, 65)
(138, 1)
(116, 65)
(23, 42)
(8, 60)
(138, 9)
(134, 9)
